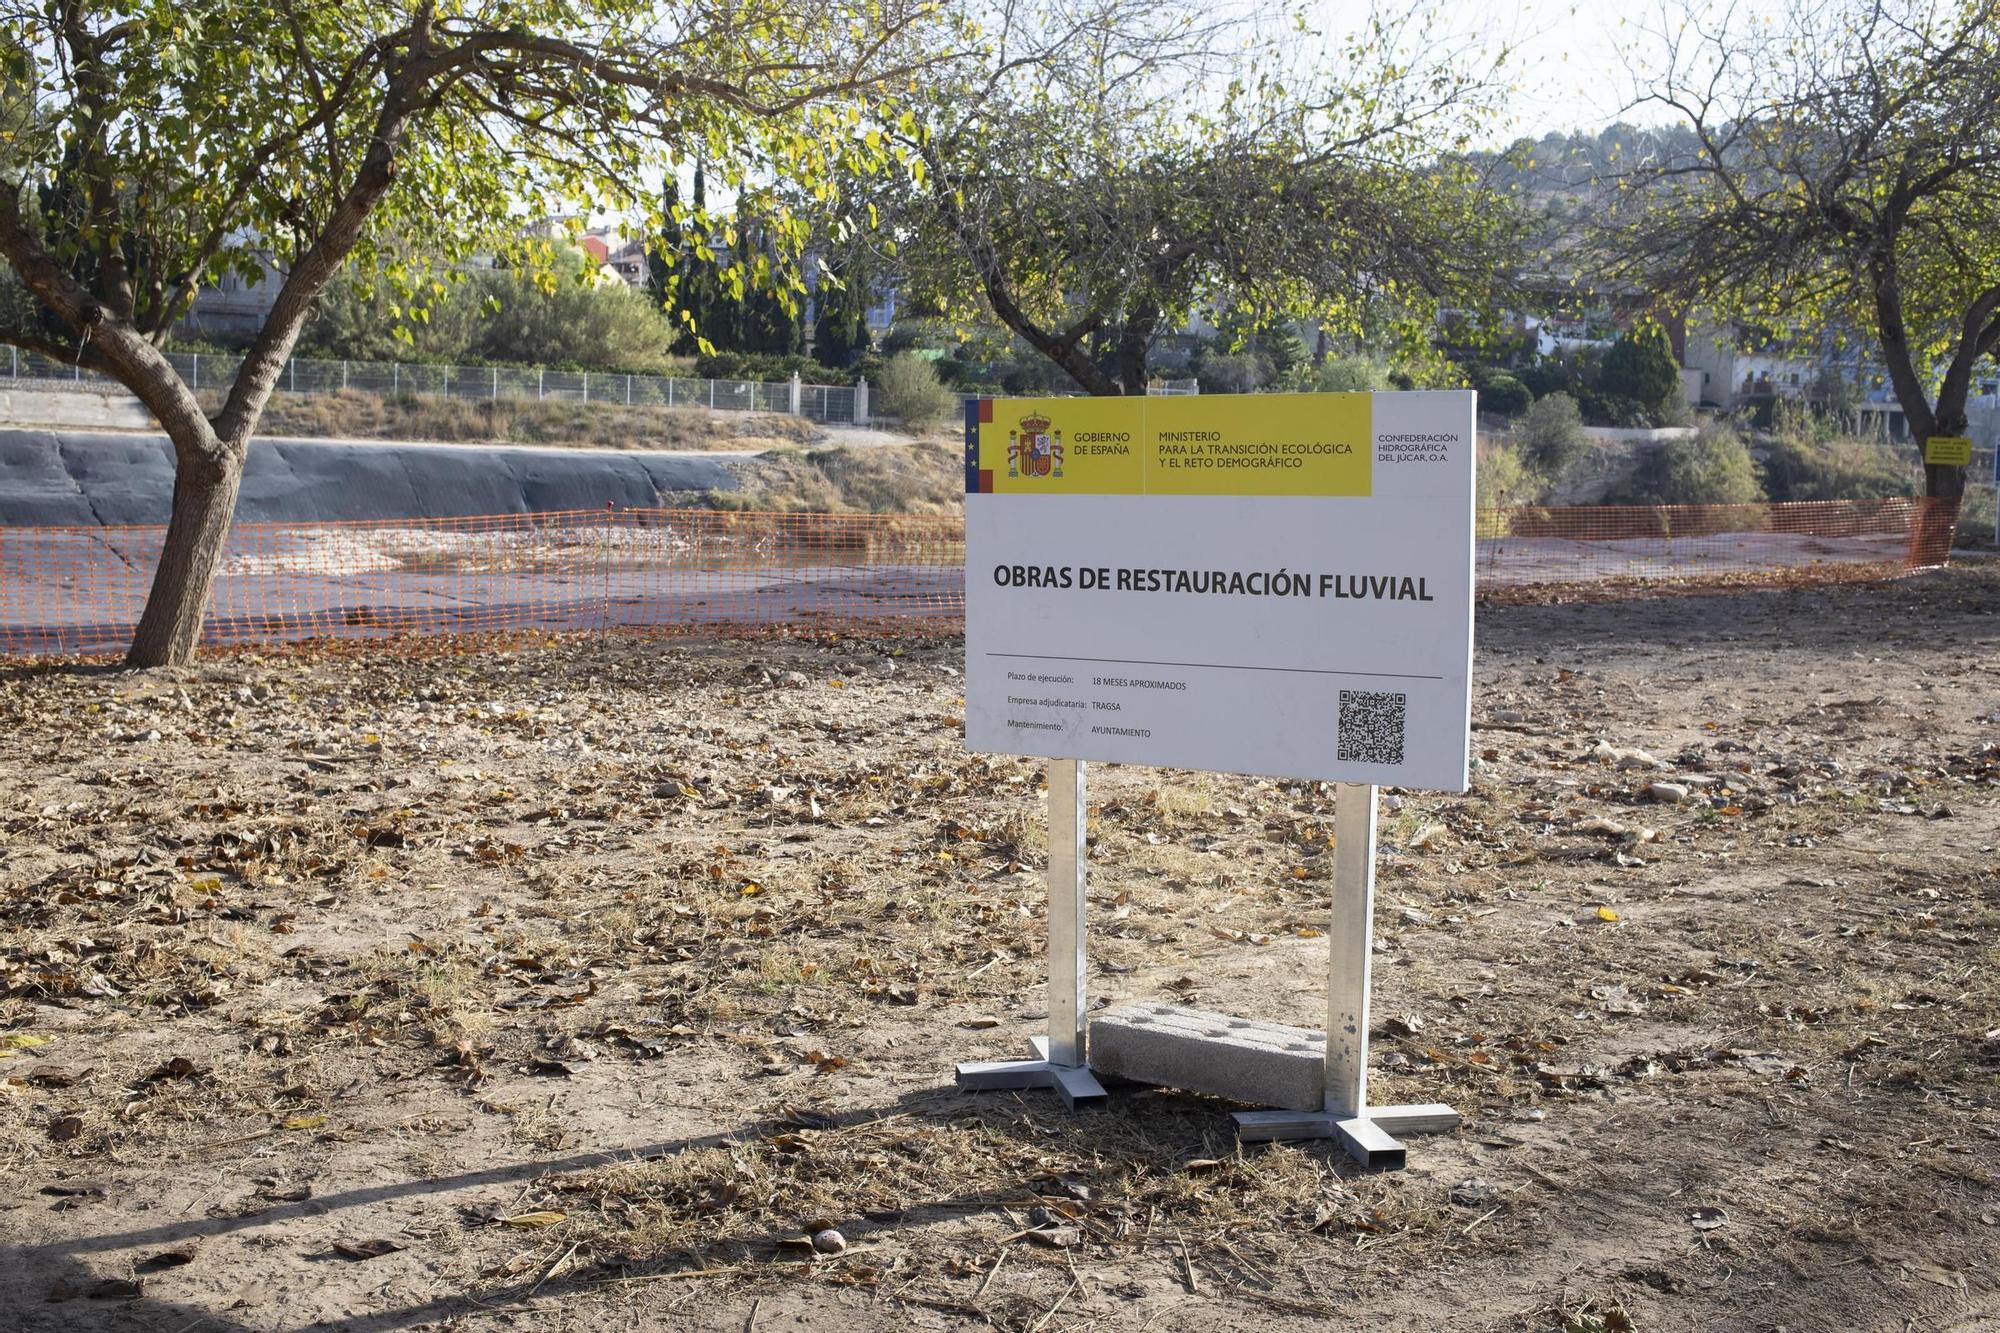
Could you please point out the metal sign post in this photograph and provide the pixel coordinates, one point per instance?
(1368, 1133)
(1060, 1058)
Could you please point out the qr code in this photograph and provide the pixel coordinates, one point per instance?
(1371, 727)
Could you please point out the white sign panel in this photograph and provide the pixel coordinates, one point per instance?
(1272, 584)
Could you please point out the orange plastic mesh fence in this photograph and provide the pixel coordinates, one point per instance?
(80, 590)
(1680, 543)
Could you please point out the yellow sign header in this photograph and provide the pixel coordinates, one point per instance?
(1235, 444)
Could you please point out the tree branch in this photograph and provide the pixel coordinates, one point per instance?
(137, 364)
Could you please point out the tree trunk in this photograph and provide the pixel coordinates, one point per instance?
(1135, 343)
(1946, 480)
(204, 502)
(1065, 349)
(209, 457)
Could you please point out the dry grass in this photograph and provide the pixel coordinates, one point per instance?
(925, 477)
(354, 414)
(958, 1180)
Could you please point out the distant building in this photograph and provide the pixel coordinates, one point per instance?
(235, 309)
(631, 264)
(1740, 368)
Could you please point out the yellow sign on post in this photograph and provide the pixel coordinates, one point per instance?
(1948, 451)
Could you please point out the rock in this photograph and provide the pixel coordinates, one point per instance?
(1607, 753)
(1428, 838)
(829, 1241)
(1669, 793)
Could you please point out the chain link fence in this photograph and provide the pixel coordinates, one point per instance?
(838, 404)
(827, 404)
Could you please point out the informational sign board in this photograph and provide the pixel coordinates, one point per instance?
(1277, 584)
(1948, 450)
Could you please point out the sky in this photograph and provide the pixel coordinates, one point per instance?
(1573, 61)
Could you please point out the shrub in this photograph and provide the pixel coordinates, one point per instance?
(1834, 396)
(495, 317)
(1606, 409)
(1025, 374)
(1675, 411)
(1504, 480)
(1231, 374)
(910, 391)
(1979, 518)
(1350, 374)
(1545, 377)
(908, 335)
(1711, 467)
(1640, 367)
(1551, 436)
(768, 366)
(586, 326)
(1503, 395)
(351, 321)
(1285, 353)
(1808, 460)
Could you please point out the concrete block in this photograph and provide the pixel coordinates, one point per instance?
(1264, 1064)
(73, 408)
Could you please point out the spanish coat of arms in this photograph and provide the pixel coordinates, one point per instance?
(1034, 450)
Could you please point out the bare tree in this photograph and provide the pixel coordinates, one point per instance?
(152, 149)
(1118, 166)
(1844, 175)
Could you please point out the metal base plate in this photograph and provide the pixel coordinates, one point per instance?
(1368, 1138)
(1075, 1084)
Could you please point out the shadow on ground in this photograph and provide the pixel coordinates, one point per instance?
(1145, 1125)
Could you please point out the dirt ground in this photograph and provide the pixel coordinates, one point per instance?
(572, 986)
